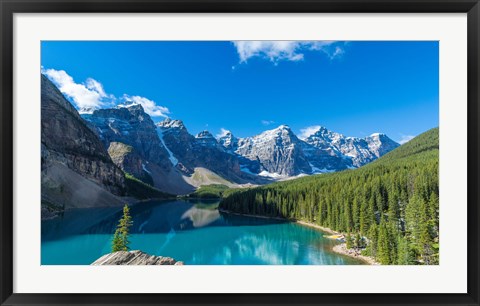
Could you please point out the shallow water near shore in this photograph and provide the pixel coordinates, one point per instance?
(194, 232)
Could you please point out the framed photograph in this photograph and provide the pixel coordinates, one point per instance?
(235, 152)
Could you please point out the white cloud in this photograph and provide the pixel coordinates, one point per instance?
(267, 122)
(405, 139)
(276, 51)
(149, 106)
(223, 132)
(309, 130)
(88, 95)
(95, 86)
(91, 94)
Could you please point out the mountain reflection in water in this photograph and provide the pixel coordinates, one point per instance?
(191, 231)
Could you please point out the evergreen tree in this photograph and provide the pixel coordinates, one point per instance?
(383, 249)
(403, 253)
(373, 243)
(121, 240)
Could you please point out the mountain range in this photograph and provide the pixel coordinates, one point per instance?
(99, 146)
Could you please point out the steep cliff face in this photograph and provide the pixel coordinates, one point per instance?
(125, 157)
(71, 150)
(179, 143)
(134, 142)
(131, 126)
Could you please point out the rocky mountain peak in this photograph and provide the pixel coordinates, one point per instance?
(205, 138)
(228, 141)
(380, 144)
(323, 134)
(170, 123)
(136, 110)
(377, 135)
(283, 132)
(87, 110)
(359, 150)
(283, 127)
(279, 151)
(204, 134)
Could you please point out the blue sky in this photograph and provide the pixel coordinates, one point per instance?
(354, 88)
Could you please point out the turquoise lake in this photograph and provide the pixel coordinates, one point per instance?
(194, 232)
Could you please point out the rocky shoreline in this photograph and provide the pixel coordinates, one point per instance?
(134, 258)
(354, 253)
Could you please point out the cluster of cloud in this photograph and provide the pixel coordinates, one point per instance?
(309, 130)
(276, 51)
(87, 95)
(91, 94)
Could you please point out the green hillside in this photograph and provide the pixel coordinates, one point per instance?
(391, 204)
(213, 191)
(142, 191)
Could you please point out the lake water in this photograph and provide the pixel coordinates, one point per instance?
(194, 232)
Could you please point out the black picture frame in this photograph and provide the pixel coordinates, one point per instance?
(10, 7)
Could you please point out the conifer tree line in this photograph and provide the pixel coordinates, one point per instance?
(390, 206)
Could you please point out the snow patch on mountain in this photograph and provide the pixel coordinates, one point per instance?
(145, 169)
(172, 158)
(272, 175)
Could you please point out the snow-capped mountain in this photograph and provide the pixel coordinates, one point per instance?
(228, 141)
(166, 156)
(161, 150)
(279, 152)
(206, 139)
(200, 151)
(87, 110)
(359, 150)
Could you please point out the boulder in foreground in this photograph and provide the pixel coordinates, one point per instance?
(134, 258)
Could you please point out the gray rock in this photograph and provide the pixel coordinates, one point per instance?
(134, 258)
(70, 149)
(278, 151)
(131, 126)
(125, 157)
(359, 150)
(203, 150)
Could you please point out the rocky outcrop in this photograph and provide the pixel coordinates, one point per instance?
(70, 149)
(125, 157)
(134, 258)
